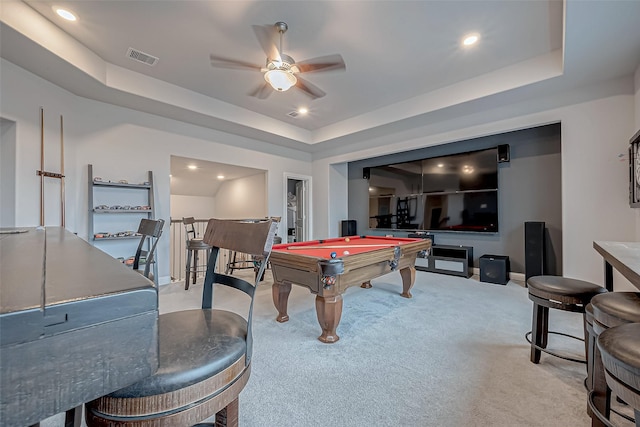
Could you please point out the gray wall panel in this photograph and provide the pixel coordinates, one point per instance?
(530, 189)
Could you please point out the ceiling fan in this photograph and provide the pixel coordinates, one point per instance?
(281, 71)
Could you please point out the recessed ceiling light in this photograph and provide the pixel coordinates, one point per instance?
(64, 13)
(220, 176)
(470, 39)
(303, 110)
(192, 167)
(440, 165)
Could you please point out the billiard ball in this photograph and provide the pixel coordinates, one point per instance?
(347, 239)
(346, 252)
(333, 254)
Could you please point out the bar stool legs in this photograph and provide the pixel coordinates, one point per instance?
(191, 271)
(560, 293)
(539, 331)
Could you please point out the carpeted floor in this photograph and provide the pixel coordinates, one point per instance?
(453, 355)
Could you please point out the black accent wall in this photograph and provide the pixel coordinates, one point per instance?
(530, 189)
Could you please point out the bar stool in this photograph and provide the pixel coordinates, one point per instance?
(560, 293)
(619, 348)
(193, 245)
(609, 311)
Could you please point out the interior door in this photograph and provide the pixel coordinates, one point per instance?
(301, 214)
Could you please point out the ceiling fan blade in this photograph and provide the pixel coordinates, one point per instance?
(309, 89)
(222, 62)
(267, 36)
(262, 91)
(322, 63)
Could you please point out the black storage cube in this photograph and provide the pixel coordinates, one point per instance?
(349, 228)
(494, 269)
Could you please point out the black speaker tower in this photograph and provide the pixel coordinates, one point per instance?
(534, 253)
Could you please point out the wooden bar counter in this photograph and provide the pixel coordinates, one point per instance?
(624, 257)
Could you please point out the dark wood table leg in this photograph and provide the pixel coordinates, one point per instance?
(408, 275)
(329, 311)
(280, 293)
(608, 276)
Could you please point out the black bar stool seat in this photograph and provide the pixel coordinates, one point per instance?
(559, 293)
(615, 309)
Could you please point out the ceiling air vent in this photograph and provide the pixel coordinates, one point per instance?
(293, 114)
(139, 56)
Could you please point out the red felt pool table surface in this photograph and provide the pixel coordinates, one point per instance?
(310, 264)
(352, 244)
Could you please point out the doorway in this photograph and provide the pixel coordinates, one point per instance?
(297, 207)
(203, 189)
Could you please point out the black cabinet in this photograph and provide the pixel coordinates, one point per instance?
(446, 259)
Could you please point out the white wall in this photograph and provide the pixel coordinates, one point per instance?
(118, 142)
(595, 138)
(7, 173)
(199, 207)
(242, 198)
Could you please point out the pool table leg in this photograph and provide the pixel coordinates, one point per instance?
(408, 275)
(329, 311)
(280, 293)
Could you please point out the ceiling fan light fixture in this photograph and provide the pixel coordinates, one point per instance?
(280, 80)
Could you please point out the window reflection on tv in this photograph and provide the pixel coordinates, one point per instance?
(456, 192)
(469, 211)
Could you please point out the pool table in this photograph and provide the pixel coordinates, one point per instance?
(328, 267)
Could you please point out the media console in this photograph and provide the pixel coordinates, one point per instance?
(446, 259)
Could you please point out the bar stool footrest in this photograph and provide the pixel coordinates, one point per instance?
(527, 336)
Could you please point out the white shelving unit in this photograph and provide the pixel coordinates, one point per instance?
(115, 211)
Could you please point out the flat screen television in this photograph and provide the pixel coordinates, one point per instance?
(457, 192)
(475, 170)
(462, 211)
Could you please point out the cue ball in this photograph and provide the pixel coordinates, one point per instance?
(347, 239)
(333, 254)
(346, 252)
